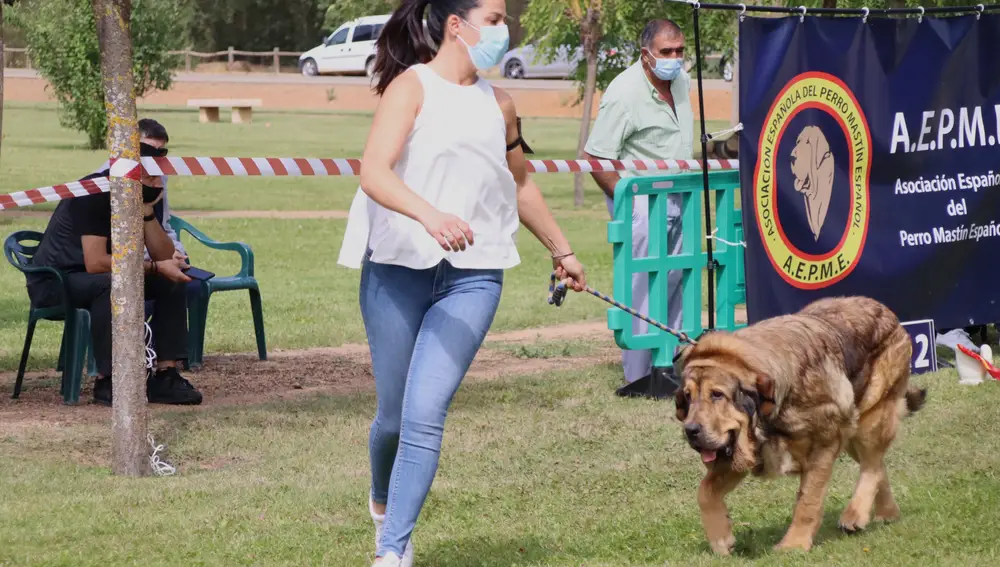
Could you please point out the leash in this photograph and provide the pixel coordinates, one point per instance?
(557, 294)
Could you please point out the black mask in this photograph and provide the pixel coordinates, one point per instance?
(146, 150)
(150, 194)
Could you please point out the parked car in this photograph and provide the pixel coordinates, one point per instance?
(349, 49)
(525, 62)
(721, 63)
(726, 69)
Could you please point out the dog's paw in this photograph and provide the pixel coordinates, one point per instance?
(723, 546)
(887, 513)
(790, 543)
(852, 521)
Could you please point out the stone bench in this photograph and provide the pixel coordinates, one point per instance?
(209, 108)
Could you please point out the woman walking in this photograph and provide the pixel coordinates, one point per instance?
(443, 185)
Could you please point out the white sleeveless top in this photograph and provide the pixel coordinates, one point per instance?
(456, 158)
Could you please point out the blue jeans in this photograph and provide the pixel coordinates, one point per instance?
(424, 328)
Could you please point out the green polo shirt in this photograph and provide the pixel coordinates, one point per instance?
(634, 123)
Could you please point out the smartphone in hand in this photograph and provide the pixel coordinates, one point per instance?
(198, 273)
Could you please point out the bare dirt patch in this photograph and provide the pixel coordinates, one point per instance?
(241, 379)
(296, 93)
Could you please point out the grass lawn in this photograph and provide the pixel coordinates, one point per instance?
(38, 152)
(295, 259)
(543, 470)
(309, 300)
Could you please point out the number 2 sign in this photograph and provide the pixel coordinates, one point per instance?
(924, 357)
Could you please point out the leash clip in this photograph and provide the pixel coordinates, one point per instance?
(557, 292)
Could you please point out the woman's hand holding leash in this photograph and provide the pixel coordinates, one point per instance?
(569, 275)
(569, 271)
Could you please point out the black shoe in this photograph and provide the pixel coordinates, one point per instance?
(102, 391)
(661, 384)
(169, 387)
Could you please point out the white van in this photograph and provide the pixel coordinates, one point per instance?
(349, 49)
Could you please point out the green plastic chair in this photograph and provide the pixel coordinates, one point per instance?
(76, 322)
(198, 305)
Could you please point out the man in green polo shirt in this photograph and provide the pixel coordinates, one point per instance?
(645, 113)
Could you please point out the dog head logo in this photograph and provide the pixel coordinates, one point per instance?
(819, 243)
(813, 168)
(720, 403)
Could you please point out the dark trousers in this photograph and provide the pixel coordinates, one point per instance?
(93, 293)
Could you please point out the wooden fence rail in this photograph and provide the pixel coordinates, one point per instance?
(276, 54)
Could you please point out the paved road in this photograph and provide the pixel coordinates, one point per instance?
(295, 79)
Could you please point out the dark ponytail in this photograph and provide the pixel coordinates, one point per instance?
(404, 41)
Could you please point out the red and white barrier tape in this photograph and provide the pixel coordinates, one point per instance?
(296, 167)
(55, 193)
(127, 168)
(586, 166)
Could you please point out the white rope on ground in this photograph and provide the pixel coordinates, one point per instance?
(150, 353)
(727, 131)
(714, 237)
(159, 466)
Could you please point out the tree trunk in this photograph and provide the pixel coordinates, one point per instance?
(590, 28)
(130, 455)
(897, 4)
(3, 67)
(735, 116)
(829, 3)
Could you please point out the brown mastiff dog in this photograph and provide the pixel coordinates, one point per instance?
(787, 396)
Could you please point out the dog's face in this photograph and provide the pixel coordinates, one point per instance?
(812, 163)
(719, 410)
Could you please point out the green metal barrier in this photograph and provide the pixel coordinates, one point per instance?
(693, 260)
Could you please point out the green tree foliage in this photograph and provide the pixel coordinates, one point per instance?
(255, 25)
(340, 11)
(881, 4)
(62, 41)
(549, 26)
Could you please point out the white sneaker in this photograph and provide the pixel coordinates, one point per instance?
(389, 560)
(379, 519)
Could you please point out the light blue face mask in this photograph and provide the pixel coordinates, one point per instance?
(491, 47)
(667, 69)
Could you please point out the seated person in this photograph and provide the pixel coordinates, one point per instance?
(152, 132)
(77, 241)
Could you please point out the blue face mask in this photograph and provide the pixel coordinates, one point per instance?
(491, 47)
(667, 69)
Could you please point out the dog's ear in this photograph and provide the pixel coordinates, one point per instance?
(765, 393)
(748, 401)
(681, 401)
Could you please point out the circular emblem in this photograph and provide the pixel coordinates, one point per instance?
(816, 178)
